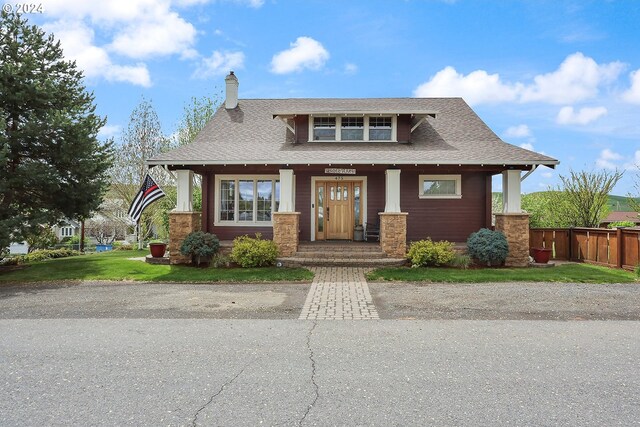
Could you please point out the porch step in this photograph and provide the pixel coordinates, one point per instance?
(341, 262)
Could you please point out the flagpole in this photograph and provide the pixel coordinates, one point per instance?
(139, 235)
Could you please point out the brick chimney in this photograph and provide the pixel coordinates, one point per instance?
(231, 101)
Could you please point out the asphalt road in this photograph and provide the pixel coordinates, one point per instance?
(119, 354)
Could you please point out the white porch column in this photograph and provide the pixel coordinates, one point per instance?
(184, 188)
(392, 191)
(286, 190)
(511, 191)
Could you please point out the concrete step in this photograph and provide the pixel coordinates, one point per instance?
(341, 262)
(345, 255)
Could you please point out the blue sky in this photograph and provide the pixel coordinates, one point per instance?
(558, 77)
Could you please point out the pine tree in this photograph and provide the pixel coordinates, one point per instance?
(52, 165)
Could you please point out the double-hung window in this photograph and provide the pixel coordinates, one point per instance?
(380, 128)
(246, 200)
(353, 128)
(324, 129)
(440, 186)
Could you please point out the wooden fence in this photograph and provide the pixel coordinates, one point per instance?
(612, 247)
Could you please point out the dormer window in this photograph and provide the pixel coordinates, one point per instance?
(380, 128)
(353, 128)
(324, 129)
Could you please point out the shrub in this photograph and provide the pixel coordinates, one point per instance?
(462, 261)
(122, 246)
(488, 247)
(220, 260)
(621, 224)
(254, 252)
(637, 270)
(45, 254)
(428, 253)
(199, 245)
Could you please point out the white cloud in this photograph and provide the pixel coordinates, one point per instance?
(219, 63)
(527, 146)
(477, 87)
(350, 68)
(633, 94)
(634, 163)
(305, 52)
(586, 115)
(108, 131)
(77, 41)
(577, 78)
(520, 131)
(163, 34)
(547, 175)
(607, 159)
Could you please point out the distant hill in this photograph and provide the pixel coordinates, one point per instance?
(616, 203)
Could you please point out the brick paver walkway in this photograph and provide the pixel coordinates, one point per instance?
(339, 293)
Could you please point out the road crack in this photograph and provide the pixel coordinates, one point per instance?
(194, 423)
(313, 374)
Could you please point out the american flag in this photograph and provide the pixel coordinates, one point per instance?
(149, 192)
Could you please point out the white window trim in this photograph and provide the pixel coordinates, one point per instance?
(448, 177)
(236, 223)
(394, 129)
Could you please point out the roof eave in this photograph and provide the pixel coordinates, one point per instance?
(549, 163)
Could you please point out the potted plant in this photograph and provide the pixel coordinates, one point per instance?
(541, 255)
(157, 248)
(200, 246)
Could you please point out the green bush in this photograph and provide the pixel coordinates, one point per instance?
(254, 252)
(637, 270)
(462, 261)
(199, 246)
(45, 254)
(122, 246)
(220, 260)
(488, 247)
(621, 224)
(428, 253)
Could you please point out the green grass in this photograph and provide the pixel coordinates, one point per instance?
(567, 273)
(115, 266)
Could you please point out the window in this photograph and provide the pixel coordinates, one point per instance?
(440, 186)
(324, 128)
(246, 200)
(352, 129)
(66, 231)
(380, 128)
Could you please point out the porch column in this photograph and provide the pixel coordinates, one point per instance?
(184, 189)
(393, 222)
(182, 220)
(286, 222)
(512, 222)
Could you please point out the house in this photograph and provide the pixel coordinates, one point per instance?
(66, 228)
(313, 169)
(618, 216)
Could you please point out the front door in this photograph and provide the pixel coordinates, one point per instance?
(337, 207)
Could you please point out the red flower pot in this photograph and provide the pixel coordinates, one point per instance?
(157, 249)
(541, 255)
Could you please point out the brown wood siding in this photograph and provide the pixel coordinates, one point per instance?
(302, 128)
(404, 128)
(451, 219)
(444, 219)
(207, 202)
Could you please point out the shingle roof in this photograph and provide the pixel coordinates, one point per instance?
(617, 216)
(250, 134)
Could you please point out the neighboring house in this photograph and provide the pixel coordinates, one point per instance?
(421, 167)
(617, 216)
(67, 228)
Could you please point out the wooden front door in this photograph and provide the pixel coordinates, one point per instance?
(339, 211)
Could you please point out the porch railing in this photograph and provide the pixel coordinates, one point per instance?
(612, 247)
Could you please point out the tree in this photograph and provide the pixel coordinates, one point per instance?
(634, 202)
(142, 140)
(195, 116)
(583, 197)
(42, 238)
(51, 163)
(546, 209)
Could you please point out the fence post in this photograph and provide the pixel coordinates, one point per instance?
(570, 245)
(620, 246)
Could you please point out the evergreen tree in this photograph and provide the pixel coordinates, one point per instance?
(51, 162)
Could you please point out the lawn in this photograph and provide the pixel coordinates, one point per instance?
(567, 273)
(116, 266)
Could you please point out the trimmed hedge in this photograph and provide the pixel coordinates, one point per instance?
(426, 252)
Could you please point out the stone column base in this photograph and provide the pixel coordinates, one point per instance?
(181, 224)
(515, 227)
(285, 232)
(393, 234)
